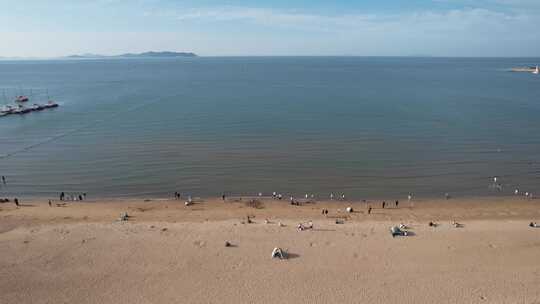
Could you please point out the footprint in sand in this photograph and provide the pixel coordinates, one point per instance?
(200, 244)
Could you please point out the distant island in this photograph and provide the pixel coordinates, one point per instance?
(139, 55)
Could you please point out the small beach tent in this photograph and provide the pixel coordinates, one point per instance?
(278, 253)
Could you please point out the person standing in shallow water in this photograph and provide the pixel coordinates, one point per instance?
(16, 201)
(383, 204)
(3, 180)
(397, 203)
(62, 195)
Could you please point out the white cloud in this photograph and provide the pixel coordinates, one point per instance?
(264, 31)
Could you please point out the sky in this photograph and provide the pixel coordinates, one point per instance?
(39, 28)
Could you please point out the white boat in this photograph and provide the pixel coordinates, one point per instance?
(7, 109)
(536, 71)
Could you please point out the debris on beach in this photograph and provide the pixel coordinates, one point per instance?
(123, 217)
(305, 226)
(457, 225)
(396, 231)
(534, 225)
(228, 244)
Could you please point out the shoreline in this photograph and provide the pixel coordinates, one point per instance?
(161, 209)
(286, 198)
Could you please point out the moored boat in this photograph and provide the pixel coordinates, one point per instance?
(21, 98)
(50, 104)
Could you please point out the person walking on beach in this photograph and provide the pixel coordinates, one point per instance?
(397, 203)
(50, 203)
(383, 204)
(16, 201)
(369, 210)
(62, 195)
(3, 180)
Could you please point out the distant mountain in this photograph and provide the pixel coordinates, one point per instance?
(140, 55)
(160, 54)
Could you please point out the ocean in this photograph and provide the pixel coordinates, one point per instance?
(368, 127)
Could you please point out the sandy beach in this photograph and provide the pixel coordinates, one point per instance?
(169, 253)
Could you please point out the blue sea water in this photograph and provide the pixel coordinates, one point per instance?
(368, 127)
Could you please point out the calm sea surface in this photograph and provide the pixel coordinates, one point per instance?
(367, 127)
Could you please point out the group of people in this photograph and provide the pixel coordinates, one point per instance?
(72, 197)
(396, 204)
(6, 200)
(528, 195)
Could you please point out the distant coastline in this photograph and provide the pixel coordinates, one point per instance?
(166, 54)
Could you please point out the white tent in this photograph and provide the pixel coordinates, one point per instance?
(278, 253)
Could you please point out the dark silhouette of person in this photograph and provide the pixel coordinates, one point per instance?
(62, 195)
(369, 210)
(16, 201)
(397, 203)
(50, 203)
(383, 204)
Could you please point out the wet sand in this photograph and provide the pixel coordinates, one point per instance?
(169, 253)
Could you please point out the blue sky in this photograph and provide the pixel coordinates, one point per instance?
(37, 28)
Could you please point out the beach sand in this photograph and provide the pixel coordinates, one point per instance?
(169, 253)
